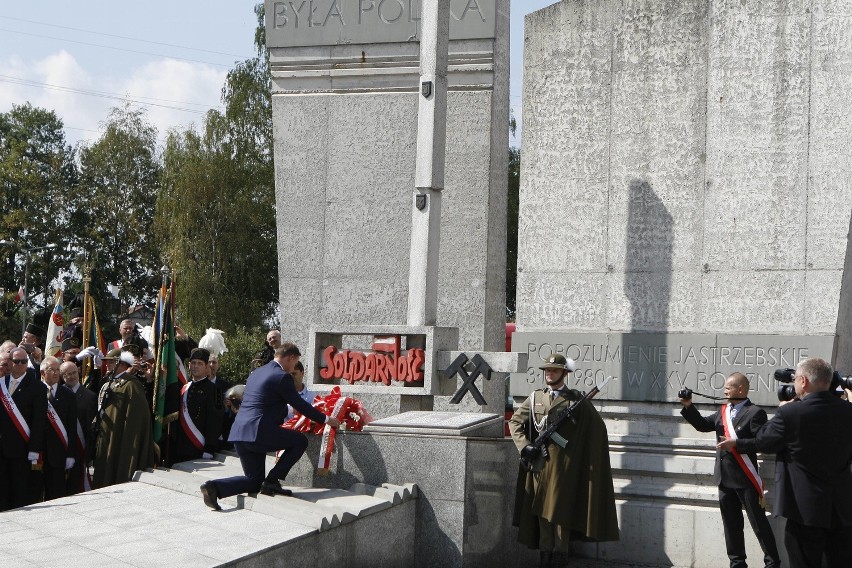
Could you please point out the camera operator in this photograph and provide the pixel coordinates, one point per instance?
(737, 476)
(813, 489)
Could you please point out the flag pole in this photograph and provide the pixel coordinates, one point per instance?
(87, 316)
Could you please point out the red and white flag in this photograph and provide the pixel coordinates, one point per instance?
(52, 344)
(19, 297)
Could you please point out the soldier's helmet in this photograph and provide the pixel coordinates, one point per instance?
(558, 361)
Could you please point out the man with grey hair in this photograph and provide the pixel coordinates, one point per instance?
(23, 419)
(60, 437)
(813, 490)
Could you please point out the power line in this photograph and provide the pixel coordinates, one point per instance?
(103, 94)
(114, 48)
(125, 37)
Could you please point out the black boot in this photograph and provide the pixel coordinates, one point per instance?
(545, 559)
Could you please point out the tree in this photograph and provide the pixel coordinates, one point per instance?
(217, 205)
(37, 174)
(113, 210)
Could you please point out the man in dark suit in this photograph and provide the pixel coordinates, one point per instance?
(60, 437)
(739, 483)
(87, 408)
(201, 413)
(813, 480)
(257, 430)
(23, 418)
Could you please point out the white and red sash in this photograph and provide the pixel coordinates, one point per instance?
(192, 432)
(746, 464)
(58, 427)
(13, 412)
(181, 372)
(86, 481)
(116, 344)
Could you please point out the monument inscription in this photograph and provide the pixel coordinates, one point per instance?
(654, 366)
(295, 23)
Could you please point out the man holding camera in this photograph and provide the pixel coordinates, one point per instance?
(737, 474)
(813, 480)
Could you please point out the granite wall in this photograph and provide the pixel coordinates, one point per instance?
(686, 170)
(344, 125)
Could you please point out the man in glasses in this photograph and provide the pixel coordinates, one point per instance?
(87, 408)
(23, 419)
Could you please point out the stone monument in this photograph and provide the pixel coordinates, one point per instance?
(345, 107)
(685, 203)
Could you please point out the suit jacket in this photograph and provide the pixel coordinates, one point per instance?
(65, 404)
(31, 399)
(268, 392)
(206, 410)
(813, 439)
(87, 409)
(748, 421)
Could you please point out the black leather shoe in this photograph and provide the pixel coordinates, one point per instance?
(270, 488)
(210, 495)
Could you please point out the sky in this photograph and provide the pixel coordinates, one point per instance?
(80, 59)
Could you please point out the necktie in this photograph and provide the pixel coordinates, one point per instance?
(13, 387)
(733, 412)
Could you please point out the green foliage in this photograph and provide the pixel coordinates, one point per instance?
(113, 209)
(216, 184)
(37, 171)
(242, 345)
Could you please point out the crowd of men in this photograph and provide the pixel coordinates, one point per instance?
(84, 419)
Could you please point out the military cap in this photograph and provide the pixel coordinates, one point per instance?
(133, 349)
(558, 361)
(70, 343)
(35, 329)
(113, 354)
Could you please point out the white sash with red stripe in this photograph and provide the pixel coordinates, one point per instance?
(745, 462)
(181, 372)
(56, 422)
(194, 434)
(12, 409)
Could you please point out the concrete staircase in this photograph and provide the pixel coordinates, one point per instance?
(160, 520)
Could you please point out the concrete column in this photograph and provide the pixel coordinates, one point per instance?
(429, 175)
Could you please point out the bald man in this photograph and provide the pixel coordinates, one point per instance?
(739, 483)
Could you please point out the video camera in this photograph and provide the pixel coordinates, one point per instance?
(788, 392)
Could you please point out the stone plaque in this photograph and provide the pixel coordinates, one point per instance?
(297, 23)
(440, 423)
(655, 366)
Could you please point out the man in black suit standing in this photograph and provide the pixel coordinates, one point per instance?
(737, 476)
(257, 430)
(87, 408)
(60, 438)
(813, 480)
(23, 418)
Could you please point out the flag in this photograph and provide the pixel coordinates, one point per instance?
(53, 344)
(96, 338)
(19, 297)
(166, 385)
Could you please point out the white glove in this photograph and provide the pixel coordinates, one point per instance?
(207, 456)
(69, 463)
(32, 456)
(87, 352)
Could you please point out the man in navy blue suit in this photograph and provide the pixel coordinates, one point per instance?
(257, 430)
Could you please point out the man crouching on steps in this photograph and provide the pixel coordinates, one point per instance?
(257, 430)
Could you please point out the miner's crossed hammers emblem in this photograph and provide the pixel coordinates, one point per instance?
(457, 368)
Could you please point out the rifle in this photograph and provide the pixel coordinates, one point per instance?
(539, 447)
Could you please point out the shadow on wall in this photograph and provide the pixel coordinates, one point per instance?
(647, 286)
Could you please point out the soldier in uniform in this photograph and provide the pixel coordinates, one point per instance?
(124, 425)
(201, 413)
(567, 495)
